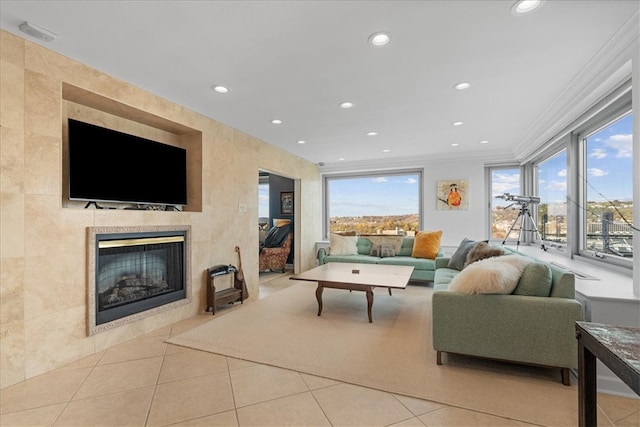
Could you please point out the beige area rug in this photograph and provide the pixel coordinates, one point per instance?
(394, 353)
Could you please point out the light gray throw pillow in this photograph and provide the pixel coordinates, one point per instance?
(459, 257)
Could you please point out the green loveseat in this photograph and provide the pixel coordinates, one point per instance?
(537, 330)
(424, 269)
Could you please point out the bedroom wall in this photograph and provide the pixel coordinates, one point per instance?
(43, 251)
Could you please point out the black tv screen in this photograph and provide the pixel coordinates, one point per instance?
(107, 165)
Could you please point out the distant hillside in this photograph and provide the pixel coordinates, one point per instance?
(374, 224)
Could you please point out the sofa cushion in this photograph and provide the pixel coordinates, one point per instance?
(362, 259)
(498, 275)
(364, 246)
(407, 247)
(482, 250)
(418, 263)
(343, 245)
(444, 276)
(426, 244)
(459, 257)
(440, 286)
(535, 280)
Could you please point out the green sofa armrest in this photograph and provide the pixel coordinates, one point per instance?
(538, 330)
(442, 262)
(322, 254)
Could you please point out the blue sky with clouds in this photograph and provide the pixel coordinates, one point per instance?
(383, 195)
(609, 168)
(610, 162)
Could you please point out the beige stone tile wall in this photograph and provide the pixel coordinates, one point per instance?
(43, 243)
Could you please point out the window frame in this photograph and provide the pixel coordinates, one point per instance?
(614, 106)
(608, 116)
(326, 178)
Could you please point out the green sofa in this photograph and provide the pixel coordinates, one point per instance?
(525, 329)
(424, 269)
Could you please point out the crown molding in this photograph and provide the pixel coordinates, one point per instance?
(609, 68)
(486, 156)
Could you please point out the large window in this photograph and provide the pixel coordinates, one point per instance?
(584, 181)
(374, 203)
(503, 212)
(608, 189)
(551, 176)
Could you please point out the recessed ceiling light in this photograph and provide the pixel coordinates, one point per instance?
(385, 151)
(346, 104)
(379, 39)
(300, 141)
(484, 141)
(455, 144)
(525, 6)
(462, 85)
(276, 121)
(220, 89)
(457, 123)
(341, 158)
(372, 133)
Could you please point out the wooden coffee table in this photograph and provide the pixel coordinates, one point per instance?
(356, 277)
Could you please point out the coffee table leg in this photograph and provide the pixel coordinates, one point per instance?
(319, 297)
(369, 292)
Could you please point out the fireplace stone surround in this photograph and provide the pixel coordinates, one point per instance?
(135, 278)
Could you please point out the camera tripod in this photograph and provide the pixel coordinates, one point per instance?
(523, 216)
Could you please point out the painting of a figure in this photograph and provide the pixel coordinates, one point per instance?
(453, 195)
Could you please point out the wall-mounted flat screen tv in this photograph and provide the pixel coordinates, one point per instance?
(110, 166)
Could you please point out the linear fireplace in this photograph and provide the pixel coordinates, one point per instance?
(135, 272)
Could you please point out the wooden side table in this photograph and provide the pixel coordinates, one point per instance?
(229, 295)
(618, 348)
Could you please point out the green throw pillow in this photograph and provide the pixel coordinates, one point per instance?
(535, 281)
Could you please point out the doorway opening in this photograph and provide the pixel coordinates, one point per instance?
(276, 222)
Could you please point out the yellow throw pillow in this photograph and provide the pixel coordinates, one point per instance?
(426, 244)
(282, 222)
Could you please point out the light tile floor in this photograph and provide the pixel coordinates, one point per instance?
(146, 382)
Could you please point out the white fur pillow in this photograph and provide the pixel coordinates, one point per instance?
(498, 275)
(343, 245)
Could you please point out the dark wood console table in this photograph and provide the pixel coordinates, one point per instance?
(618, 348)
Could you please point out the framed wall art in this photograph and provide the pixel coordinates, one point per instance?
(452, 194)
(286, 203)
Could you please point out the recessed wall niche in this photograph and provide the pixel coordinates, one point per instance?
(89, 107)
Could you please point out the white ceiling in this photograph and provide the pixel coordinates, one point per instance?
(297, 60)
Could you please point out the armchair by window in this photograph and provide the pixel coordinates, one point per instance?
(275, 258)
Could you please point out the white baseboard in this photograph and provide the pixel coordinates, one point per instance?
(609, 383)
